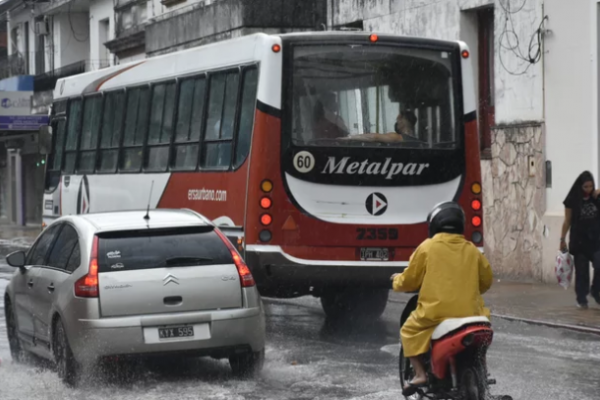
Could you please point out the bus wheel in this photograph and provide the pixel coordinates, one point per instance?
(354, 303)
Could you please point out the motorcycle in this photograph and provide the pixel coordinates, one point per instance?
(455, 364)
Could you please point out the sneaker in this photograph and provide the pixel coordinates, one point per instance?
(596, 297)
(583, 306)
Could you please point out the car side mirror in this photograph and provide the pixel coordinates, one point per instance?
(16, 259)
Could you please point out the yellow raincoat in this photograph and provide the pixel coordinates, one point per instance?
(451, 274)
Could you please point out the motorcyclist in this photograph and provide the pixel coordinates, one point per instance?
(450, 274)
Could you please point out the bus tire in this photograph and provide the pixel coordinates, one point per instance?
(364, 304)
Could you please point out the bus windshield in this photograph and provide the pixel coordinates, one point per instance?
(372, 96)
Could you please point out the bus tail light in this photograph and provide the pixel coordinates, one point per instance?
(476, 205)
(246, 278)
(476, 188)
(373, 38)
(276, 48)
(266, 186)
(476, 221)
(265, 235)
(87, 286)
(477, 237)
(266, 202)
(465, 54)
(266, 219)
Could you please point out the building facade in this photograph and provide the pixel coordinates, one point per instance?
(536, 64)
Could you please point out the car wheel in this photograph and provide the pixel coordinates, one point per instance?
(361, 304)
(247, 365)
(68, 370)
(16, 351)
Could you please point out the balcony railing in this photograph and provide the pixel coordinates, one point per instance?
(47, 80)
(16, 64)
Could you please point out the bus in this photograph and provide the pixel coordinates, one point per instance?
(319, 154)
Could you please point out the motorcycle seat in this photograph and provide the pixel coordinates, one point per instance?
(452, 324)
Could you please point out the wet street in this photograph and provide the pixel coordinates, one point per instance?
(308, 358)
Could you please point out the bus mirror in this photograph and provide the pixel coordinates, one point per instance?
(45, 139)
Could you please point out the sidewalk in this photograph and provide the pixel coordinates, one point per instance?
(537, 303)
(18, 235)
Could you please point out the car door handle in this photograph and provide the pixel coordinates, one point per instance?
(30, 283)
(51, 287)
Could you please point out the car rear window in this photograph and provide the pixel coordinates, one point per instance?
(134, 250)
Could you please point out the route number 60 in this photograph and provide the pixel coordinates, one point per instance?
(304, 162)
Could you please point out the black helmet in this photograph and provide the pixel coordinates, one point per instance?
(446, 217)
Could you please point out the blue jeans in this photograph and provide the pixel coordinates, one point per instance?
(582, 276)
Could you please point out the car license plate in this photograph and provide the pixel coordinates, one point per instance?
(174, 332)
(374, 254)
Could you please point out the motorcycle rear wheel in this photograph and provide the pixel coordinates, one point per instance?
(473, 385)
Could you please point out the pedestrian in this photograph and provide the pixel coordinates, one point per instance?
(582, 221)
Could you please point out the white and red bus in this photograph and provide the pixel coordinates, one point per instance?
(319, 154)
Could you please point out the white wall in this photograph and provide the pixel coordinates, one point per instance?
(71, 38)
(100, 10)
(571, 110)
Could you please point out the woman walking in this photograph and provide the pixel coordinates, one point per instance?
(582, 218)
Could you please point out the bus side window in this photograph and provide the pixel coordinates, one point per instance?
(247, 111)
(161, 126)
(216, 151)
(92, 108)
(112, 126)
(190, 115)
(136, 121)
(73, 133)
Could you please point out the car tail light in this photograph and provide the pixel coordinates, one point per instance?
(246, 278)
(87, 286)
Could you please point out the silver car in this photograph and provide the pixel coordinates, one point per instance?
(131, 283)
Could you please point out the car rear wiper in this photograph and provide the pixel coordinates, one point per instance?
(180, 261)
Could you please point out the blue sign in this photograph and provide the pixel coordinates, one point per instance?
(22, 122)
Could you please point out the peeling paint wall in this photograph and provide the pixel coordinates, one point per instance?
(519, 96)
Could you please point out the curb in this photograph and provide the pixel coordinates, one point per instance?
(557, 325)
(576, 328)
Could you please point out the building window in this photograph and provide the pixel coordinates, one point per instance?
(486, 78)
(103, 37)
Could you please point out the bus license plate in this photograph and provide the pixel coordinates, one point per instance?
(374, 254)
(174, 332)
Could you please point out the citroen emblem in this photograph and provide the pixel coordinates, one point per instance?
(170, 278)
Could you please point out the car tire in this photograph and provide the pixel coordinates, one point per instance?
(350, 304)
(16, 351)
(66, 365)
(247, 365)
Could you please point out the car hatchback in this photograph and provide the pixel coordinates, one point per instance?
(134, 283)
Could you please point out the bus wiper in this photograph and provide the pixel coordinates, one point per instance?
(183, 261)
